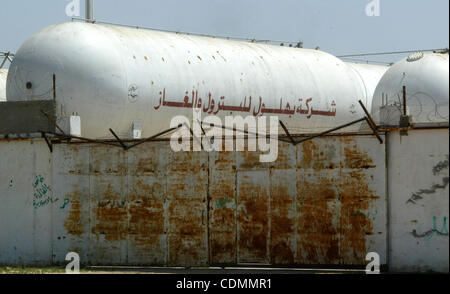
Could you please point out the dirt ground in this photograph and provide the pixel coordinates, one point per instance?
(165, 270)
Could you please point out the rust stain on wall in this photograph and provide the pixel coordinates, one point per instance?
(110, 208)
(318, 230)
(146, 230)
(107, 160)
(146, 219)
(282, 227)
(253, 202)
(147, 159)
(222, 238)
(187, 236)
(222, 204)
(356, 197)
(111, 222)
(286, 157)
(250, 161)
(187, 182)
(308, 207)
(353, 158)
(333, 198)
(319, 154)
(73, 222)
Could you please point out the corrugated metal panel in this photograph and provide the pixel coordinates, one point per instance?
(108, 206)
(187, 178)
(253, 189)
(147, 239)
(222, 203)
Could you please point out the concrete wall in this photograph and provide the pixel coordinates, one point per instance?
(419, 200)
(322, 202)
(25, 231)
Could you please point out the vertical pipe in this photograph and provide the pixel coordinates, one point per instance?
(387, 159)
(89, 10)
(54, 87)
(404, 100)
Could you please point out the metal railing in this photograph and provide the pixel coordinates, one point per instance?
(5, 56)
(296, 44)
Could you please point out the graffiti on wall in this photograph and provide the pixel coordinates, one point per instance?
(428, 235)
(418, 195)
(41, 192)
(65, 203)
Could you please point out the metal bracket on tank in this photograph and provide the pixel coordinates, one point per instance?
(64, 136)
(331, 130)
(238, 130)
(371, 123)
(287, 133)
(104, 142)
(49, 143)
(118, 139)
(53, 122)
(153, 137)
(368, 118)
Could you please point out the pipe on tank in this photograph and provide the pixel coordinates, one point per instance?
(89, 10)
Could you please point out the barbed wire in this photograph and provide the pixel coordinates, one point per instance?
(444, 50)
(422, 106)
(368, 61)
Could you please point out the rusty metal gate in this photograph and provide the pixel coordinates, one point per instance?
(322, 202)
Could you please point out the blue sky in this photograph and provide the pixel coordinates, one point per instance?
(336, 26)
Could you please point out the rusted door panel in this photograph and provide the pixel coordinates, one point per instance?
(187, 239)
(321, 202)
(71, 212)
(318, 203)
(341, 198)
(146, 235)
(355, 197)
(108, 206)
(147, 238)
(222, 219)
(253, 216)
(318, 216)
(187, 182)
(283, 216)
(363, 194)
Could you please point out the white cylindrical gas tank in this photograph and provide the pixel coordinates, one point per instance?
(3, 75)
(426, 80)
(112, 76)
(370, 77)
